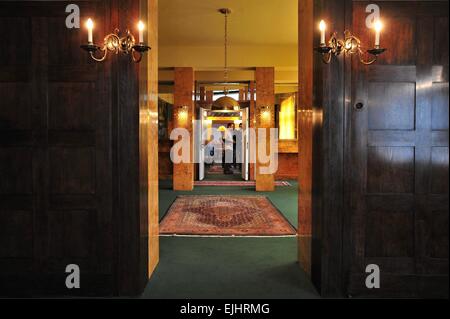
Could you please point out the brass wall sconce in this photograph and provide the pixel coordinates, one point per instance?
(113, 42)
(349, 45)
(182, 113)
(265, 112)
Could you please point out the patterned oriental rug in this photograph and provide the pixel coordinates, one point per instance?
(236, 183)
(213, 215)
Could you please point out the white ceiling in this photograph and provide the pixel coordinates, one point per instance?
(252, 22)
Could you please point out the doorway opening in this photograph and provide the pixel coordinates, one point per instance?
(222, 136)
(225, 236)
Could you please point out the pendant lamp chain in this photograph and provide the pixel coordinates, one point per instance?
(226, 47)
(225, 12)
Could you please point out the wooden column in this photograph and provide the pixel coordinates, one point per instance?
(183, 173)
(202, 94)
(209, 96)
(148, 100)
(252, 121)
(265, 97)
(305, 128)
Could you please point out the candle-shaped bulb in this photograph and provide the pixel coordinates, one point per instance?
(141, 28)
(378, 27)
(90, 27)
(322, 28)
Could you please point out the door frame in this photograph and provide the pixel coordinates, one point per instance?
(322, 253)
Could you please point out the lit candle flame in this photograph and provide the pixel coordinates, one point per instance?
(322, 25)
(89, 24)
(141, 26)
(378, 26)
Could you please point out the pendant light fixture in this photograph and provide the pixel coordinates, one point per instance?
(225, 102)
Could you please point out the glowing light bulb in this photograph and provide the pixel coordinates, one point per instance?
(322, 25)
(141, 27)
(378, 27)
(322, 28)
(90, 27)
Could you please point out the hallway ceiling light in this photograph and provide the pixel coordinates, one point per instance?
(226, 102)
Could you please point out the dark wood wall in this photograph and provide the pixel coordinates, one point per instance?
(69, 153)
(399, 144)
(380, 178)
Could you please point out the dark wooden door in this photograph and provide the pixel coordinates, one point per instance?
(55, 152)
(399, 144)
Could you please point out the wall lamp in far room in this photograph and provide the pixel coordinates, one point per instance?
(116, 43)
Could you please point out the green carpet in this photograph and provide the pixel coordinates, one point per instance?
(260, 268)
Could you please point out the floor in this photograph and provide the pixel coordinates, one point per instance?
(237, 176)
(244, 268)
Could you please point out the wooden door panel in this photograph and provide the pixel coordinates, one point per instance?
(15, 53)
(391, 169)
(439, 111)
(16, 239)
(55, 155)
(15, 113)
(72, 170)
(16, 168)
(400, 153)
(391, 105)
(72, 105)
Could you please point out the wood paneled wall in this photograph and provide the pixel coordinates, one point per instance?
(399, 153)
(305, 129)
(148, 96)
(69, 154)
(380, 172)
(183, 173)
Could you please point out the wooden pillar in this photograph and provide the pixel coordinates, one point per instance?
(265, 97)
(148, 100)
(202, 94)
(305, 128)
(209, 96)
(183, 173)
(252, 121)
(241, 95)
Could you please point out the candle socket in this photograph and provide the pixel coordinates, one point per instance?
(323, 48)
(377, 50)
(141, 47)
(90, 47)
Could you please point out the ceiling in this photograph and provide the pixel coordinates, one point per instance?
(252, 22)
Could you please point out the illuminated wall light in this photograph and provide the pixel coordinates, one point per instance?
(287, 119)
(349, 45)
(265, 113)
(115, 43)
(183, 113)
